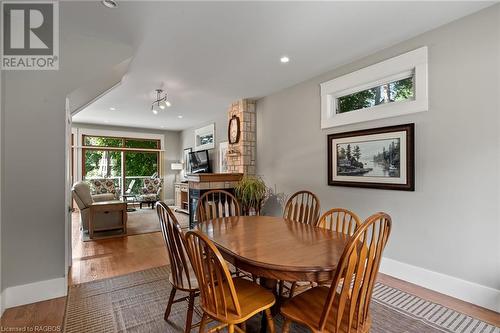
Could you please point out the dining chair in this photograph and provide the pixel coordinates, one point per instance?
(336, 219)
(230, 301)
(219, 203)
(215, 204)
(340, 220)
(182, 276)
(303, 207)
(344, 307)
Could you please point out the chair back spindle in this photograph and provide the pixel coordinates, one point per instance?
(216, 204)
(303, 207)
(175, 242)
(213, 276)
(340, 220)
(349, 303)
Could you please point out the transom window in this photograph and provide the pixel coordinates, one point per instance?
(394, 87)
(115, 142)
(390, 92)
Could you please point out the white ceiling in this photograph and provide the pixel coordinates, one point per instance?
(207, 55)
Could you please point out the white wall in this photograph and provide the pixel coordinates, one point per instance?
(187, 138)
(450, 224)
(1, 141)
(33, 162)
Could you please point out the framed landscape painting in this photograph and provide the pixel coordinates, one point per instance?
(381, 158)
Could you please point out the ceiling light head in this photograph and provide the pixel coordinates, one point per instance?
(180, 116)
(161, 102)
(110, 3)
(284, 59)
(112, 108)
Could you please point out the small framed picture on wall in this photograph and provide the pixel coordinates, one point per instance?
(187, 166)
(223, 148)
(381, 158)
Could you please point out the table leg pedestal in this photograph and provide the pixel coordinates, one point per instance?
(269, 284)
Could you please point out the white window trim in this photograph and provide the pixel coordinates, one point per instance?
(383, 72)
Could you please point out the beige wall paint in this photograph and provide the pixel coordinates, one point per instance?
(171, 154)
(450, 224)
(1, 188)
(187, 138)
(33, 157)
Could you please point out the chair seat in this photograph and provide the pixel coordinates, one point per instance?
(306, 309)
(252, 298)
(103, 197)
(185, 285)
(148, 197)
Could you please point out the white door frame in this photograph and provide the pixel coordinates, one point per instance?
(67, 191)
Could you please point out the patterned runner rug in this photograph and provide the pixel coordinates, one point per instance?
(136, 303)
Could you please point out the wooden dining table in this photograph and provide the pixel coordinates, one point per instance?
(274, 248)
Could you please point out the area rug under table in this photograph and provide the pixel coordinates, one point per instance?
(136, 303)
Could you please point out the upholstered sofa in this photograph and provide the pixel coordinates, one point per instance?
(104, 189)
(98, 215)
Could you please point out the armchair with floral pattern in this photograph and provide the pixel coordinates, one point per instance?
(104, 189)
(150, 192)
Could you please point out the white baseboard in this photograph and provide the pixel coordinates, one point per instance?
(34, 292)
(474, 293)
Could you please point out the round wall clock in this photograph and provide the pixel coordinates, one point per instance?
(233, 130)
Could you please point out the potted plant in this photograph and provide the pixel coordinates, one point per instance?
(251, 192)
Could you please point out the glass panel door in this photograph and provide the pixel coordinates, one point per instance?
(138, 166)
(100, 164)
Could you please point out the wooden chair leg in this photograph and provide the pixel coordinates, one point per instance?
(203, 322)
(280, 289)
(231, 328)
(292, 289)
(270, 321)
(286, 326)
(189, 317)
(170, 302)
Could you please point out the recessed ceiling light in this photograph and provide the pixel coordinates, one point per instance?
(112, 108)
(110, 3)
(284, 59)
(180, 116)
(106, 121)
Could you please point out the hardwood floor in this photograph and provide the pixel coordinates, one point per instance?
(116, 256)
(106, 258)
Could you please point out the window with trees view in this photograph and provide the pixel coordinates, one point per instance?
(394, 87)
(395, 91)
(128, 161)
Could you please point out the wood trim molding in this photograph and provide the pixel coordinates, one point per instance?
(471, 292)
(2, 307)
(34, 292)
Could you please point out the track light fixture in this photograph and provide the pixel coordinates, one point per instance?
(160, 103)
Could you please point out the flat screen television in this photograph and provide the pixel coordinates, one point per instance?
(199, 162)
